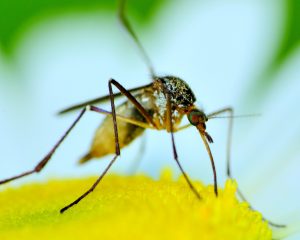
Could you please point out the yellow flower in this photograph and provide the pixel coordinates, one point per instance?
(128, 208)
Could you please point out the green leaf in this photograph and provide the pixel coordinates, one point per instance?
(17, 16)
(289, 42)
(291, 37)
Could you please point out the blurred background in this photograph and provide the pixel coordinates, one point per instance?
(243, 54)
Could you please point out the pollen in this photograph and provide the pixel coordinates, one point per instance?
(123, 207)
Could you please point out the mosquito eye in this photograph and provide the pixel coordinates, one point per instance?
(196, 117)
(193, 117)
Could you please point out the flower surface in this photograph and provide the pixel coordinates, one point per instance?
(128, 208)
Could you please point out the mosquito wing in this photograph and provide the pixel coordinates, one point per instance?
(104, 139)
(99, 100)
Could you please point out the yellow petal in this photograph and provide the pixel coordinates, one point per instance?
(127, 208)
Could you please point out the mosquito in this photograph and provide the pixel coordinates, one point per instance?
(159, 105)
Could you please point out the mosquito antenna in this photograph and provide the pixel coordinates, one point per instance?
(236, 116)
(124, 20)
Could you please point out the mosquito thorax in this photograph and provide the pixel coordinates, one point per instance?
(182, 97)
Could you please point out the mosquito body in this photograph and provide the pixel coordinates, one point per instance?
(154, 101)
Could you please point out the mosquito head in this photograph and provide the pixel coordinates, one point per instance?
(197, 118)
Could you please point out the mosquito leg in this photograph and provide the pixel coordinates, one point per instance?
(170, 128)
(129, 29)
(182, 127)
(132, 99)
(117, 153)
(45, 160)
(229, 110)
(181, 169)
(204, 138)
(92, 188)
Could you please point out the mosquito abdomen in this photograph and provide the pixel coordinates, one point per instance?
(104, 139)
